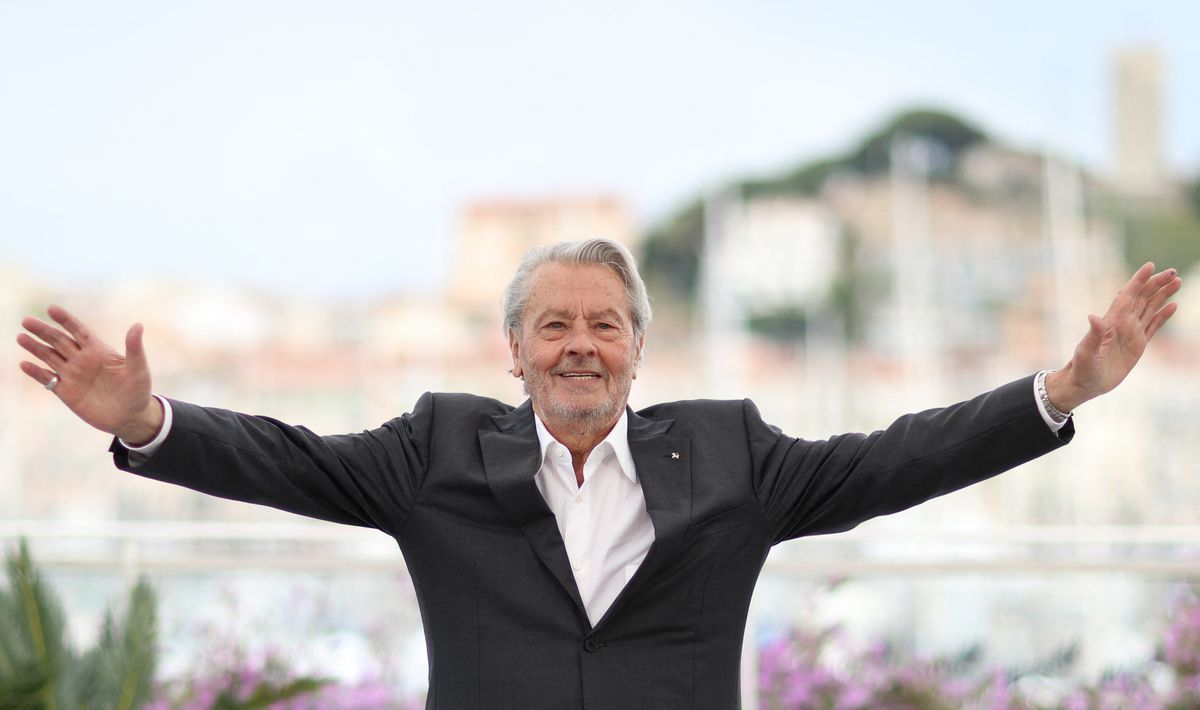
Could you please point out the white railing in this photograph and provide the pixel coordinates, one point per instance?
(1170, 551)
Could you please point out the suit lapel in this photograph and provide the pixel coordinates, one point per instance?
(664, 470)
(511, 459)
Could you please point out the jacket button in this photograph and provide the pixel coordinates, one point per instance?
(590, 645)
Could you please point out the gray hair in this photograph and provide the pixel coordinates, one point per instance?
(586, 251)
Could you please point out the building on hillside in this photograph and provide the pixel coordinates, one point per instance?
(775, 252)
(493, 234)
(1137, 121)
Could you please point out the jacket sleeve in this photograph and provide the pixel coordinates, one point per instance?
(816, 487)
(369, 479)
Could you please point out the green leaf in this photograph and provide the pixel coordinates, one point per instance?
(119, 672)
(39, 670)
(34, 654)
(267, 694)
(26, 686)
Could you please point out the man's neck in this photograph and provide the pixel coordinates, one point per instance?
(580, 438)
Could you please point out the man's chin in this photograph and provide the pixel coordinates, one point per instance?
(596, 414)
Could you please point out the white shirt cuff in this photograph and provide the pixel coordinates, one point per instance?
(139, 454)
(1037, 397)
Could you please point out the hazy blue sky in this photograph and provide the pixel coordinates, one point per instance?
(323, 148)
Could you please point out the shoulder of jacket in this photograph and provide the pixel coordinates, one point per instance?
(462, 403)
(468, 401)
(696, 408)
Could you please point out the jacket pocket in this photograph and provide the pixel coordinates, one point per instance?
(725, 521)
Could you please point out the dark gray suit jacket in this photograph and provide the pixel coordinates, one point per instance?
(453, 483)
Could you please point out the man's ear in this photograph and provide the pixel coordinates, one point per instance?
(514, 346)
(637, 358)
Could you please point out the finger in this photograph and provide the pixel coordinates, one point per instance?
(1166, 289)
(1127, 298)
(135, 351)
(41, 351)
(1095, 335)
(74, 326)
(1159, 318)
(1165, 275)
(1158, 280)
(57, 339)
(39, 374)
(1141, 276)
(1135, 296)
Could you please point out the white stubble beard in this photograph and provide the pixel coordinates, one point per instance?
(592, 417)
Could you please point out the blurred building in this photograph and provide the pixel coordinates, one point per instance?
(774, 252)
(492, 235)
(1137, 120)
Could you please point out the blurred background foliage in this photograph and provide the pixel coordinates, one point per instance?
(1165, 230)
(672, 250)
(40, 669)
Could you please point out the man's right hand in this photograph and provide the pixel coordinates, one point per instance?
(108, 390)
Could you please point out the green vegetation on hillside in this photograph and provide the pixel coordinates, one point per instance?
(670, 259)
(671, 251)
(1166, 236)
(1157, 229)
(872, 155)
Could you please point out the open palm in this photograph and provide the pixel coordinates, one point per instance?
(102, 387)
(1116, 341)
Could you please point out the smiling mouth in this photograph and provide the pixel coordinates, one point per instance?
(580, 375)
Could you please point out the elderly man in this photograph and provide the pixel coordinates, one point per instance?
(570, 553)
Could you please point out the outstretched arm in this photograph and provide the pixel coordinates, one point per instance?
(102, 387)
(1115, 341)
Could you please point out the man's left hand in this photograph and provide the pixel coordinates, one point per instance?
(1115, 342)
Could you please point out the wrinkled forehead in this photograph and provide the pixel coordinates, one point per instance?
(590, 290)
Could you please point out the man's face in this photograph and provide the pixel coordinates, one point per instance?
(576, 349)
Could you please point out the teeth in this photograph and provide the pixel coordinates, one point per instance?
(578, 375)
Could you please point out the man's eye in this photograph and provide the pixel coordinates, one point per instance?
(604, 326)
(556, 325)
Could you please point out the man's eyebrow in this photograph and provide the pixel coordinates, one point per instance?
(611, 313)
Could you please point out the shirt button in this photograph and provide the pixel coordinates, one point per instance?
(577, 566)
(579, 498)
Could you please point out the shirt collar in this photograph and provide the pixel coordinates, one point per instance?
(618, 439)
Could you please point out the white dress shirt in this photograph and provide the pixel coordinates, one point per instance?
(603, 523)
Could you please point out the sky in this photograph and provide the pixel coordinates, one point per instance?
(323, 149)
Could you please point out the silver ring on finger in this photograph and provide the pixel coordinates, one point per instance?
(52, 383)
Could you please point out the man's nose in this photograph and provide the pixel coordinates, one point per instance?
(580, 342)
